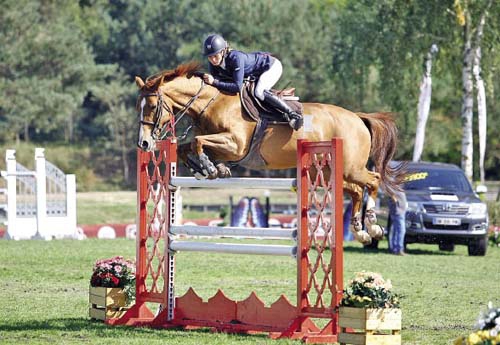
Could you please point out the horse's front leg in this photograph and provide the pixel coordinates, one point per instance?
(221, 146)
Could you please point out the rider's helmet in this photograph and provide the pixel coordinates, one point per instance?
(213, 44)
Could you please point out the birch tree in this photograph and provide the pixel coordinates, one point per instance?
(424, 104)
(481, 94)
(471, 52)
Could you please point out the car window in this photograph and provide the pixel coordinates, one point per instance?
(445, 180)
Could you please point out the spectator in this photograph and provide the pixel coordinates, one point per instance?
(348, 236)
(397, 214)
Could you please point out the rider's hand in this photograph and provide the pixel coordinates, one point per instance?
(208, 78)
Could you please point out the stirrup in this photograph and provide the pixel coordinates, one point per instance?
(296, 122)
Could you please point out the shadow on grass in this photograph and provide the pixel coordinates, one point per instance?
(99, 328)
(385, 251)
(68, 325)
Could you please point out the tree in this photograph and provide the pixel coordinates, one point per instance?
(45, 69)
(113, 100)
(472, 40)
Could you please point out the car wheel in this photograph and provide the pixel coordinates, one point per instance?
(477, 247)
(447, 247)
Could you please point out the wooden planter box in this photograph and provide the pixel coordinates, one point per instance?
(362, 326)
(107, 303)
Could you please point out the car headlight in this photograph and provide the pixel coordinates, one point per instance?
(413, 207)
(478, 209)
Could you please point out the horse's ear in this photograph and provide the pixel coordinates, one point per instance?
(139, 82)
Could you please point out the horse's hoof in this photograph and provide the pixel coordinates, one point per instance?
(209, 168)
(197, 175)
(362, 237)
(376, 232)
(223, 170)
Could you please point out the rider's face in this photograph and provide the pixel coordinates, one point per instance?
(216, 59)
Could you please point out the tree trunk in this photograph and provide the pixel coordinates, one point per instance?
(424, 104)
(481, 94)
(467, 104)
(26, 131)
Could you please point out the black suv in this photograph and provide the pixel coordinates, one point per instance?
(443, 208)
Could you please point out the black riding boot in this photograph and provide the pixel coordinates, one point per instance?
(294, 119)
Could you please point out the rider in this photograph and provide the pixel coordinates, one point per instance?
(234, 65)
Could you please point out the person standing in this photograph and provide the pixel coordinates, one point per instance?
(348, 236)
(397, 214)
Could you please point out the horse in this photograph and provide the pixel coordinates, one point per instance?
(223, 133)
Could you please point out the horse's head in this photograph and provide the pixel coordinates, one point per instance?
(158, 110)
(155, 114)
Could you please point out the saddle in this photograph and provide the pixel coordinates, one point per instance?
(264, 116)
(255, 108)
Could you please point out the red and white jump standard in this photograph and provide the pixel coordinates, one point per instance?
(318, 249)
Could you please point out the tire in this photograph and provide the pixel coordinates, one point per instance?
(477, 247)
(447, 246)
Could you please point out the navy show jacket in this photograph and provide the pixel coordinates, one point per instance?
(239, 65)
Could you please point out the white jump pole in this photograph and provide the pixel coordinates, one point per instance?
(235, 182)
(234, 248)
(197, 230)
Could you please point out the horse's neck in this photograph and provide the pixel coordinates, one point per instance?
(183, 90)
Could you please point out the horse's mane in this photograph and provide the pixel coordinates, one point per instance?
(156, 80)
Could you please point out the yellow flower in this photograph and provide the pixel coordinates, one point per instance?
(473, 339)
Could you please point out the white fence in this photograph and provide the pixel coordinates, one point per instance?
(40, 203)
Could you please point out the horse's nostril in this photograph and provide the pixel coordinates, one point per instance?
(145, 145)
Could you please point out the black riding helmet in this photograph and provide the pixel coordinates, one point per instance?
(213, 44)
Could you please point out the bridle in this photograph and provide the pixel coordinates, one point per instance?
(160, 132)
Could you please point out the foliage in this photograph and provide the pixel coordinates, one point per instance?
(115, 273)
(67, 68)
(494, 236)
(488, 329)
(370, 290)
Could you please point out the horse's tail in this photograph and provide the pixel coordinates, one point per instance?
(384, 135)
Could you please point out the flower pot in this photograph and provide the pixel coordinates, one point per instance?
(107, 303)
(361, 326)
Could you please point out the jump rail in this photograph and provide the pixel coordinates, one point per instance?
(196, 230)
(235, 182)
(319, 257)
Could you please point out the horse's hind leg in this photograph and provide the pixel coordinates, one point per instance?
(356, 193)
(375, 230)
(371, 180)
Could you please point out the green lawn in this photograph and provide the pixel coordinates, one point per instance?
(44, 290)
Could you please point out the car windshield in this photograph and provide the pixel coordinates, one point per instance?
(439, 180)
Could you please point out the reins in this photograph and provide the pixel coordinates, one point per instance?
(160, 133)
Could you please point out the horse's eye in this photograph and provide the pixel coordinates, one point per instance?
(152, 106)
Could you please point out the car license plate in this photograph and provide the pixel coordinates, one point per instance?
(446, 221)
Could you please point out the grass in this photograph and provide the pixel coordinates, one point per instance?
(120, 207)
(44, 290)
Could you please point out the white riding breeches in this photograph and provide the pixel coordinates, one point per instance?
(268, 79)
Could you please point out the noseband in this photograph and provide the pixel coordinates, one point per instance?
(160, 132)
(157, 133)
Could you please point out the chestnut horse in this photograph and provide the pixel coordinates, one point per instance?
(223, 133)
